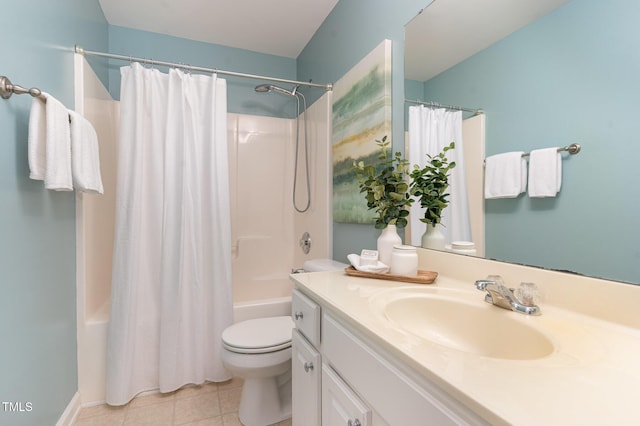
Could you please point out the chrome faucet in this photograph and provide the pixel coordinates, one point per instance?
(500, 295)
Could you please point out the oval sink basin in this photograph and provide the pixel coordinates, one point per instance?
(478, 328)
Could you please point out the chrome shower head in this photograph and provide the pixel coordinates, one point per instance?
(264, 88)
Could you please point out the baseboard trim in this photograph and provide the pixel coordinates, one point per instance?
(68, 418)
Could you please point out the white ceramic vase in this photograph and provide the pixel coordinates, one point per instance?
(388, 238)
(433, 238)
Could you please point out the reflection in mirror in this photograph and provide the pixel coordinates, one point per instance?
(567, 76)
(458, 226)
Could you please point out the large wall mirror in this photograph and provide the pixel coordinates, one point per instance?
(558, 73)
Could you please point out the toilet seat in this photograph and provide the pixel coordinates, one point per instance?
(258, 336)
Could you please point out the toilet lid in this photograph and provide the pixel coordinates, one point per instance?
(259, 335)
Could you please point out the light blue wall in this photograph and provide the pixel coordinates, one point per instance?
(37, 249)
(349, 33)
(242, 97)
(37, 230)
(549, 68)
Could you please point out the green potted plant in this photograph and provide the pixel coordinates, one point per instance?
(429, 185)
(387, 192)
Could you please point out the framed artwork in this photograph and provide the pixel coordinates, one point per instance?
(361, 114)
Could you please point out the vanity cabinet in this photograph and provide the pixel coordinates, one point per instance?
(306, 316)
(397, 394)
(306, 362)
(305, 377)
(347, 379)
(340, 404)
(320, 396)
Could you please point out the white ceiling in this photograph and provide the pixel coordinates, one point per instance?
(449, 31)
(276, 27)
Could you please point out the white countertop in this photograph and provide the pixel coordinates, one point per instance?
(591, 378)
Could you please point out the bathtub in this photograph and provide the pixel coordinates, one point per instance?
(262, 309)
(92, 344)
(92, 357)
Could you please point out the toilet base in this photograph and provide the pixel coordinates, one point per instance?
(265, 401)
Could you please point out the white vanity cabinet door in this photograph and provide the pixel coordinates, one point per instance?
(396, 396)
(340, 405)
(306, 316)
(306, 375)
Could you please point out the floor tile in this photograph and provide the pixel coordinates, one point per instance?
(192, 390)
(230, 384)
(211, 421)
(231, 419)
(211, 404)
(195, 408)
(151, 399)
(112, 419)
(153, 415)
(101, 410)
(229, 400)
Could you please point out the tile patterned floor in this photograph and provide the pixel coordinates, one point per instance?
(212, 404)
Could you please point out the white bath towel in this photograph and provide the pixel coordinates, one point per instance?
(505, 175)
(85, 155)
(58, 174)
(49, 148)
(378, 268)
(545, 172)
(37, 148)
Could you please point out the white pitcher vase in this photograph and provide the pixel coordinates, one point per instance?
(388, 238)
(433, 237)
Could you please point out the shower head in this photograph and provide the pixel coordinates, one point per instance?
(264, 88)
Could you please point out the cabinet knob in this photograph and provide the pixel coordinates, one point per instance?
(298, 315)
(355, 422)
(308, 366)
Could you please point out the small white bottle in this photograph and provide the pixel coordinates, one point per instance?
(404, 260)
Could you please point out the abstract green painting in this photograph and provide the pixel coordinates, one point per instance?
(361, 114)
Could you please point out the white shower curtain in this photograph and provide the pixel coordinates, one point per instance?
(171, 286)
(430, 130)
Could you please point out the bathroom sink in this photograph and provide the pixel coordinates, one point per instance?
(459, 322)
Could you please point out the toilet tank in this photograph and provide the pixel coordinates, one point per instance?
(318, 265)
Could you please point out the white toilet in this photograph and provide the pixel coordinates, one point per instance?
(259, 351)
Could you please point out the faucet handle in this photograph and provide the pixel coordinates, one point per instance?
(497, 279)
(482, 284)
(490, 280)
(528, 294)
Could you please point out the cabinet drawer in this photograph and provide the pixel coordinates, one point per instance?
(340, 405)
(306, 315)
(305, 370)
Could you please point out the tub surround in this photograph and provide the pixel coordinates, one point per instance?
(589, 378)
(261, 287)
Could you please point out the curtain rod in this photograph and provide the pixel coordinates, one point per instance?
(437, 105)
(84, 52)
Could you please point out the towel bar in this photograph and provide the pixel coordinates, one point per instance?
(572, 149)
(7, 88)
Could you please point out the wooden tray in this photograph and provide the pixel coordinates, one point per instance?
(423, 277)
